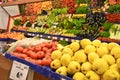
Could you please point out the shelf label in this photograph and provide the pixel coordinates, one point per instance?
(19, 71)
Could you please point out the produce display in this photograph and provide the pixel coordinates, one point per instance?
(87, 60)
(12, 35)
(94, 54)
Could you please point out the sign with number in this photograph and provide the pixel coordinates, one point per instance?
(19, 71)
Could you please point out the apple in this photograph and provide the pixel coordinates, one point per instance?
(65, 59)
(109, 58)
(92, 56)
(85, 67)
(56, 54)
(73, 67)
(99, 66)
(62, 70)
(78, 76)
(67, 50)
(55, 64)
(91, 75)
(80, 56)
(111, 75)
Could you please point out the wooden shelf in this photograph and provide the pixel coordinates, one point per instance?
(20, 2)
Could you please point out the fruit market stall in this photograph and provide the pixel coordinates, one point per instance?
(65, 39)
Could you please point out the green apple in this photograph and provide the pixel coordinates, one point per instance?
(85, 42)
(111, 75)
(102, 51)
(62, 70)
(89, 49)
(55, 64)
(96, 43)
(80, 56)
(65, 59)
(85, 67)
(115, 52)
(73, 67)
(56, 54)
(74, 46)
(109, 58)
(67, 50)
(79, 76)
(92, 56)
(91, 75)
(99, 66)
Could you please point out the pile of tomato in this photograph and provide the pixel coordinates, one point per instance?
(39, 54)
(113, 17)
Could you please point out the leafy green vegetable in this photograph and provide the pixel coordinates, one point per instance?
(63, 42)
(50, 19)
(105, 34)
(83, 1)
(78, 23)
(17, 22)
(82, 10)
(114, 8)
(107, 25)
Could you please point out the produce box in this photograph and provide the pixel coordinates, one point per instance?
(43, 70)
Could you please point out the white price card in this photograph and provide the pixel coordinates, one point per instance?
(19, 71)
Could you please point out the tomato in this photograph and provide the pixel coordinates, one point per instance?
(49, 51)
(32, 48)
(44, 49)
(38, 48)
(48, 45)
(40, 54)
(33, 55)
(46, 61)
(27, 58)
(23, 56)
(32, 61)
(19, 49)
(54, 48)
(38, 62)
(25, 51)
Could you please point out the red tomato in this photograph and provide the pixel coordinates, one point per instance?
(38, 48)
(25, 51)
(54, 48)
(40, 54)
(33, 55)
(46, 61)
(23, 56)
(31, 48)
(19, 49)
(48, 45)
(38, 62)
(27, 58)
(32, 61)
(44, 49)
(49, 51)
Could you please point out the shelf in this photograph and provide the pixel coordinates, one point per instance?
(20, 2)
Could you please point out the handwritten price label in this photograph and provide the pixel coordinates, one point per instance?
(19, 71)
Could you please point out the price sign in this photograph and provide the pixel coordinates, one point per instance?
(19, 71)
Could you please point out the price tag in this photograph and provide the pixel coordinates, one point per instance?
(19, 71)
